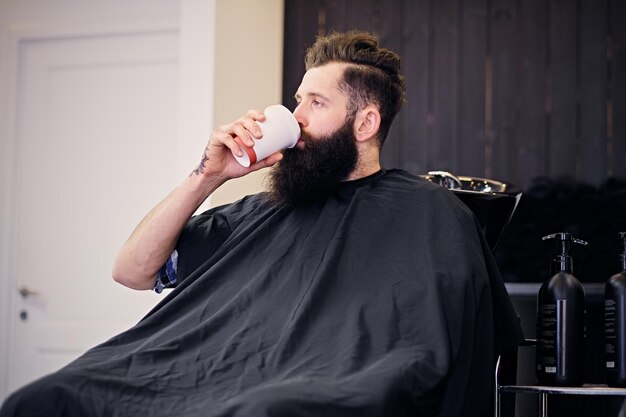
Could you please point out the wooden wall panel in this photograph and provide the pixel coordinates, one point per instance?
(411, 128)
(471, 134)
(531, 146)
(593, 91)
(388, 25)
(405, 145)
(563, 137)
(336, 12)
(363, 14)
(618, 88)
(507, 89)
(301, 28)
(504, 25)
(442, 97)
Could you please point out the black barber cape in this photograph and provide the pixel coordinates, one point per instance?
(382, 300)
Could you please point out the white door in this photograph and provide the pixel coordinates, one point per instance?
(95, 149)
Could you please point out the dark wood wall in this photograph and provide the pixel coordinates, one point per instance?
(504, 89)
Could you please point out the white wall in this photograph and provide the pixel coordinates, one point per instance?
(243, 71)
(230, 61)
(248, 73)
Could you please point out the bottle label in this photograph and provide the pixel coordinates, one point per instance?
(546, 337)
(609, 332)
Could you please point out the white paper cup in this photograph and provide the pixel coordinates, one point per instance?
(280, 130)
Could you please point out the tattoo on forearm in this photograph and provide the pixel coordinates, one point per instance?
(200, 168)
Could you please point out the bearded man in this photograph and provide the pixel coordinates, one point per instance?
(344, 290)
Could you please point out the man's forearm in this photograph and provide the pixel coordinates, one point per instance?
(154, 239)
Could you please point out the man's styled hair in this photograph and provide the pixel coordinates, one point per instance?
(373, 76)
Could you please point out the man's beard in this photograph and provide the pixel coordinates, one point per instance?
(313, 173)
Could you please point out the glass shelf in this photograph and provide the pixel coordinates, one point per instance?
(584, 390)
(543, 392)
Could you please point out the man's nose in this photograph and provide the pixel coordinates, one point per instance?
(298, 113)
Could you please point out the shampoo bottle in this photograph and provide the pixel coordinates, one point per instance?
(561, 321)
(615, 323)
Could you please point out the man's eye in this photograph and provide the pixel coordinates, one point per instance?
(317, 103)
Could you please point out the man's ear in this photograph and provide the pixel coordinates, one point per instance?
(367, 124)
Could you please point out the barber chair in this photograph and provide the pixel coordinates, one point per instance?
(506, 374)
(493, 203)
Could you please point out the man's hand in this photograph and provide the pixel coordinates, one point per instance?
(154, 239)
(217, 159)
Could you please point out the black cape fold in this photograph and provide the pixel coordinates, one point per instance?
(383, 300)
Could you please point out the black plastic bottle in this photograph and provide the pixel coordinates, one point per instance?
(615, 323)
(561, 321)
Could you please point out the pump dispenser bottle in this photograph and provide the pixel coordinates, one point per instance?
(561, 321)
(615, 323)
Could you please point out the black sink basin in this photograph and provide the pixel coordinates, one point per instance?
(493, 202)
